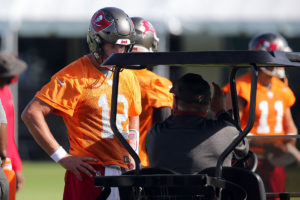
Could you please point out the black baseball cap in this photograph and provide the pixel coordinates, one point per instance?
(10, 65)
(192, 88)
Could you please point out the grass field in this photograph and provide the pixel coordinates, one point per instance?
(45, 181)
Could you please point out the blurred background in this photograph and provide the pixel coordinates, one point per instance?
(49, 34)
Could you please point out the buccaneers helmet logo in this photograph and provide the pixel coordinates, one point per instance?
(99, 22)
(147, 27)
(268, 46)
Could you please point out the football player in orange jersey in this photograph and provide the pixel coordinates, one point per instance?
(81, 93)
(272, 113)
(157, 100)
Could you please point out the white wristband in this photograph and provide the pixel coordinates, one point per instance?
(136, 139)
(292, 134)
(59, 154)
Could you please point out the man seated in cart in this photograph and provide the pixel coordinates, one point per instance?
(188, 141)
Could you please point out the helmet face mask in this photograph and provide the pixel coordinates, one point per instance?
(146, 39)
(110, 25)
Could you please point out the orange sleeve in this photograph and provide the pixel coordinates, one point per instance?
(63, 91)
(290, 97)
(287, 94)
(159, 93)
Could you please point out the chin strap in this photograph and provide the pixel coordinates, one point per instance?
(106, 70)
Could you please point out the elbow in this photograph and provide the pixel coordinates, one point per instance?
(35, 111)
(26, 115)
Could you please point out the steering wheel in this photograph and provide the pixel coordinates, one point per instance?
(248, 162)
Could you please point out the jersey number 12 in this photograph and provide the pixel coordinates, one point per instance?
(107, 131)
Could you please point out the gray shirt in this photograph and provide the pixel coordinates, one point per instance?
(191, 143)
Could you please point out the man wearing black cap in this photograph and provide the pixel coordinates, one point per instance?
(10, 66)
(188, 142)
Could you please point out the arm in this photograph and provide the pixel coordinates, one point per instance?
(34, 118)
(218, 101)
(218, 104)
(134, 122)
(241, 150)
(241, 103)
(289, 126)
(222, 101)
(3, 133)
(3, 145)
(133, 136)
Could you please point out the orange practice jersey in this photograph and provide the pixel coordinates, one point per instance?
(270, 105)
(82, 95)
(155, 92)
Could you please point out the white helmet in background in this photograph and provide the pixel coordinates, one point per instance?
(146, 39)
(270, 42)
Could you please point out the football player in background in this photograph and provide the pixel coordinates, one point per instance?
(155, 90)
(272, 113)
(12, 149)
(10, 67)
(81, 93)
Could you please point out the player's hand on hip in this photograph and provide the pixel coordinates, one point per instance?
(131, 163)
(78, 164)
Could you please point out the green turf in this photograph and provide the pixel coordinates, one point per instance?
(293, 180)
(43, 181)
